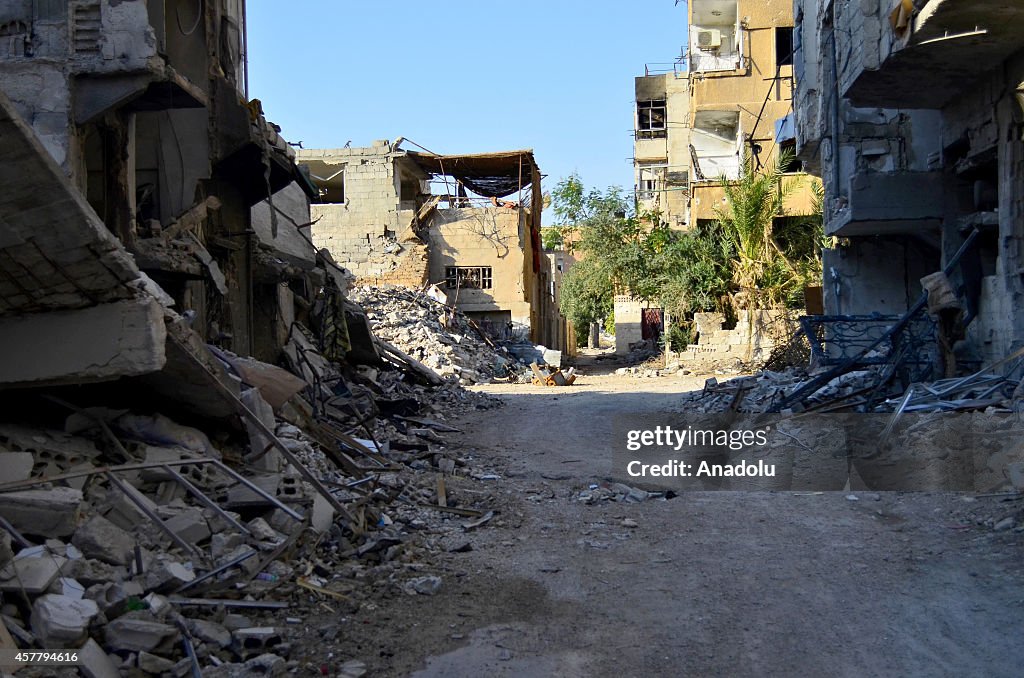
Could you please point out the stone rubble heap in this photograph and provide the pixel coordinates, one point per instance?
(156, 548)
(434, 333)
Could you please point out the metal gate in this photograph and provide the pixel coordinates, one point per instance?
(651, 324)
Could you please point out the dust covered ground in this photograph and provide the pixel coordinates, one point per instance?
(704, 584)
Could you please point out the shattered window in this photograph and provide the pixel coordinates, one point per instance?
(471, 277)
(651, 116)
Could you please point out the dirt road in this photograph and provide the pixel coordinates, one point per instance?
(706, 584)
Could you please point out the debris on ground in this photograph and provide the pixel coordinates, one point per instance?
(159, 543)
(552, 376)
(424, 327)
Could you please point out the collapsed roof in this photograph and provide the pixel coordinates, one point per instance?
(492, 175)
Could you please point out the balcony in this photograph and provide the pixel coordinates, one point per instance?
(924, 58)
(716, 42)
(715, 145)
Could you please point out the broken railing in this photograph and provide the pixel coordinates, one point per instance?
(896, 344)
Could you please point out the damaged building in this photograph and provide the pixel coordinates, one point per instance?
(143, 106)
(911, 111)
(469, 224)
(727, 97)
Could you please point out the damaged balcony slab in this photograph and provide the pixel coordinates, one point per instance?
(55, 253)
(893, 202)
(946, 48)
(154, 89)
(111, 340)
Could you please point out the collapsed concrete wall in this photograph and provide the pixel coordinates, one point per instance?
(749, 342)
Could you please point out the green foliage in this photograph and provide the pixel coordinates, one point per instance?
(774, 258)
(749, 258)
(587, 295)
(551, 238)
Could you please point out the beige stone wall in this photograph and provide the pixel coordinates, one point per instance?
(495, 237)
(368, 233)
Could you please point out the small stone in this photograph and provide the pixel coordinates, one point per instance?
(33, 571)
(152, 664)
(210, 632)
(852, 497)
(629, 522)
(1004, 524)
(426, 586)
(353, 669)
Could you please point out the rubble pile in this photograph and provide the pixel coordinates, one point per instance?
(434, 333)
(157, 548)
(957, 434)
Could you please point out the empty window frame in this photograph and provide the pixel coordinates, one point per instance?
(651, 117)
(784, 46)
(788, 148)
(651, 181)
(468, 277)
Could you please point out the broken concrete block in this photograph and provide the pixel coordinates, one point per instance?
(425, 586)
(100, 539)
(90, 572)
(16, 465)
(126, 634)
(165, 574)
(241, 496)
(112, 597)
(124, 338)
(154, 665)
(263, 531)
(322, 515)
(161, 455)
(267, 457)
(234, 621)
(62, 622)
(256, 640)
(33, 571)
(210, 632)
(94, 662)
(190, 525)
(125, 514)
(224, 543)
(66, 586)
(47, 513)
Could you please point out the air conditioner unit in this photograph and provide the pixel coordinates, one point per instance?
(709, 39)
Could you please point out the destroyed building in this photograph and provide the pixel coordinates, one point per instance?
(467, 223)
(182, 376)
(911, 112)
(143, 106)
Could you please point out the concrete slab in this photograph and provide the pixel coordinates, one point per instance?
(124, 338)
(50, 513)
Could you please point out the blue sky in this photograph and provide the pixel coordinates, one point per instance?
(464, 76)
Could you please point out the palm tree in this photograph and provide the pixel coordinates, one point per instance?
(762, 273)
